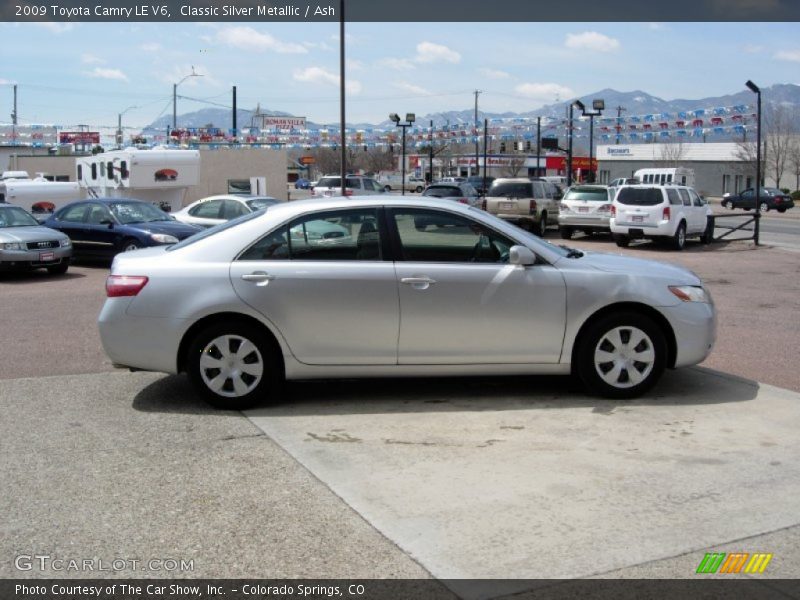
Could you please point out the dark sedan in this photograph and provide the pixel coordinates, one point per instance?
(769, 199)
(102, 227)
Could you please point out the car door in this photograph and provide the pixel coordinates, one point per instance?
(101, 230)
(323, 281)
(72, 221)
(460, 300)
(747, 199)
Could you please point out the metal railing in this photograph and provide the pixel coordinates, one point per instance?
(750, 218)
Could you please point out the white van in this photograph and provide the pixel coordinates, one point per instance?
(662, 176)
(395, 182)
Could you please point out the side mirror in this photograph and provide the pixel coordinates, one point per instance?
(521, 255)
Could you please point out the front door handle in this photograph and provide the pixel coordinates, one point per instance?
(261, 278)
(418, 283)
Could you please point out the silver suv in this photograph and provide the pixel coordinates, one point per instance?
(667, 212)
(530, 204)
(355, 185)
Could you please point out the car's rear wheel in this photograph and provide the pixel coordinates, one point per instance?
(621, 355)
(540, 226)
(623, 241)
(781, 210)
(566, 233)
(234, 366)
(679, 238)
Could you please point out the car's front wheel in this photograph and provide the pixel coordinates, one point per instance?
(566, 233)
(540, 226)
(129, 245)
(621, 355)
(763, 207)
(708, 234)
(623, 241)
(679, 238)
(418, 189)
(234, 366)
(60, 268)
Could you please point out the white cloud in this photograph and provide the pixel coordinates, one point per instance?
(101, 73)
(591, 40)
(656, 26)
(544, 92)
(91, 59)
(55, 27)
(398, 64)
(354, 65)
(152, 47)
(790, 55)
(247, 38)
(753, 48)
(428, 52)
(320, 75)
(410, 87)
(494, 73)
(6, 81)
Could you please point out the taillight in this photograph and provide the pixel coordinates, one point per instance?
(483, 204)
(124, 285)
(778, 199)
(606, 208)
(348, 192)
(532, 209)
(613, 211)
(563, 207)
(665, 215)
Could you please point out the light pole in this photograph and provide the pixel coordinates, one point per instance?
(757, 91)
(410, 118)
(175, 97)
(598, 106)
(573, 105)
(119, 125)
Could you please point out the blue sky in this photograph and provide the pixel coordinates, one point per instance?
(71, 73)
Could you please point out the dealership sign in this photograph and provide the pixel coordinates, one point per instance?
(79, 137)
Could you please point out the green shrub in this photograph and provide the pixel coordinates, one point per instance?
(795, 195)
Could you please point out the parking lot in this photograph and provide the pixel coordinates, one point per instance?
(452, 478)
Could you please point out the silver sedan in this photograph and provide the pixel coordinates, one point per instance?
(26, 244)
(395, 287)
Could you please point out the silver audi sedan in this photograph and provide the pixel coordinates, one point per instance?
(375, 286)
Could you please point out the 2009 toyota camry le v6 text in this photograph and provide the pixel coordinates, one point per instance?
(379, 286)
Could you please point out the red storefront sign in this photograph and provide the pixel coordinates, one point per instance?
(559, 163)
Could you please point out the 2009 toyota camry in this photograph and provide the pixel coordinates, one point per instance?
(380, 286)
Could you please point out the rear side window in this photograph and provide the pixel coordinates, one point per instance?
(511, 190)
(674, 197)
(685, 198)
(640, 196)
(73, 214)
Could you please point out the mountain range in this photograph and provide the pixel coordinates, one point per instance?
(636, 102)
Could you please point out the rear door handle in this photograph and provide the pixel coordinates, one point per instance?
(261, 278)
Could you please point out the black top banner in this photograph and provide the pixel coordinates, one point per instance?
(405, 11)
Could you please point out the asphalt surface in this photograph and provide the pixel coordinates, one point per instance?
(407, 479)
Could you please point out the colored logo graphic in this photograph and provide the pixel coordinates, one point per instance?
(734, 562)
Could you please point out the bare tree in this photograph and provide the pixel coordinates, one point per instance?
(514, 166)
(794, 161)
(780, 129)
(672, 153)
(375, 160)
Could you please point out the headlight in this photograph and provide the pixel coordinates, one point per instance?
(66, 243)
(690, 293)
(14, 246)
(163, 238)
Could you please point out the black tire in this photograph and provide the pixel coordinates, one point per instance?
(261, 383)
(566, 233)
(418, 189)
(609, 338)
(60, 268)
(781, 210)
(678, 241)
(708, 234)
(387, 188)
(540, 226)
(129, 244)
(623, 241)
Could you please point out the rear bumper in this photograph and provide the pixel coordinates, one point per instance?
(660, 229)
(583, 222)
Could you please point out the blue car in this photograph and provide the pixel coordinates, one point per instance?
(302, 184)
(102, 227)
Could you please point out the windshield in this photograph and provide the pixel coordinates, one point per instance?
(14, 216)
(590, 194)
(214, 230)
(137, 212)
(260, 203)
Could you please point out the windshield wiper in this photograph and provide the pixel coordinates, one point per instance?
(572, 252)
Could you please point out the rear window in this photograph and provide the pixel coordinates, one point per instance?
(334, 182)
(443, 191)
(640, 196)
(597, 194)
(511, 190)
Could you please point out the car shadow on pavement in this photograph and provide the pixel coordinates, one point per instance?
(35, 277)
(683, 387)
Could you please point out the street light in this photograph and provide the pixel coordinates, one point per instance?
(410, 118)
(757, 91)
(598, 106)
(175, 97)
(576, 104)
(119, 125)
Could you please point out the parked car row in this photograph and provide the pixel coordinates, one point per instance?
(768, 199)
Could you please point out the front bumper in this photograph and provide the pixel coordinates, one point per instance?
(32, 259)
(695, 328)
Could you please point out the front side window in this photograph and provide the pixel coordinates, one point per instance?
(207, 210)
(97, 214)
(434, 236)
(331, 235)
(696, 200)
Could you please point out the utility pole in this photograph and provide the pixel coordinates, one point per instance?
(14, 118)
(619, 116)
(235, 133)
(430, 155)
(475, 129)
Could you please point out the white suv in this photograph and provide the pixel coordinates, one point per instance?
(355, 185)
(666, 212)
